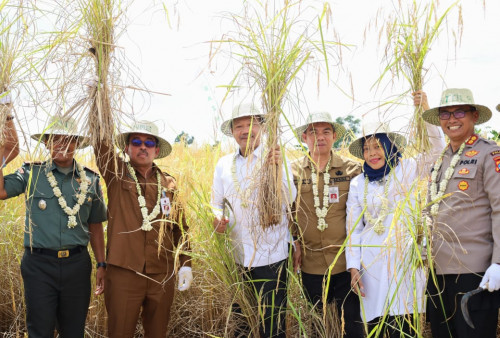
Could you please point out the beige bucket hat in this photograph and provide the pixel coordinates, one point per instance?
(64, 126)
(318, 117)
(369, 129)
(457, 97)
(241, 110)
(147, 128)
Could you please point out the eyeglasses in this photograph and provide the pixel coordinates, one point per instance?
(458, 114)
(138, 142)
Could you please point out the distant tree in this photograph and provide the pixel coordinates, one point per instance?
(352, 126)
(184, 138)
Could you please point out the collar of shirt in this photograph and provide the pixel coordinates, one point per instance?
(336, 161)
(51, 166)
(257, 153)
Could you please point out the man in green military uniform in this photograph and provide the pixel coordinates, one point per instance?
(64, 211)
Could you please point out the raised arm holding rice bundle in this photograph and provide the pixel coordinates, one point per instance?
(382, 228)
(64, 211)
(465, 217)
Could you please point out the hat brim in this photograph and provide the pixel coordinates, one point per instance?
(83, 141)
(339, 129)
(432, 115)
(356, 147)
(164, 145)
(226, 125)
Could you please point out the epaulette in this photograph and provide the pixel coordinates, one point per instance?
(92, 171)
(167, 174)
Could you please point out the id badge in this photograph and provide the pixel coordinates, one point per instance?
(333, 194)
(165, 205)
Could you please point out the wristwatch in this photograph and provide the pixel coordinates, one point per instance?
(101, 265)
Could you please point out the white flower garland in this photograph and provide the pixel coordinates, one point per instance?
(435, 195)
(321, 211)
(146, 219)
(84, 186)
(378, 223)
(243, 194)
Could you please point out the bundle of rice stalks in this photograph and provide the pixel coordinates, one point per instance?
(409, 38)
(100, 17)
(275, 43)
(13, 31)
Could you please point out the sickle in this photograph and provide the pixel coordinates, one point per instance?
(225, 203)
(465, 307)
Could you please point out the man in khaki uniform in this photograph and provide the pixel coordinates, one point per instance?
(466, 223)
(320, 212)
(146, 223)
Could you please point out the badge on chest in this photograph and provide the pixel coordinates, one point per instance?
(333, 194)
(165, 204)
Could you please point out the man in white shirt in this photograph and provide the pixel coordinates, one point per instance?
(261, 253)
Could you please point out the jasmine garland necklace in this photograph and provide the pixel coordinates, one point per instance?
(321, 212)
(378, 223)
(84, 185)
(146, 219)
(435, 195)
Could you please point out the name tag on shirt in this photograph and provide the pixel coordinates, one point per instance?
(333, 194)
(165, 205)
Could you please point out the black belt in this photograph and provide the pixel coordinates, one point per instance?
(59, 253)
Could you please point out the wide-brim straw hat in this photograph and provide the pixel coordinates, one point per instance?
(319, 117)
(457, 97)
(370, 129)
(146, 128)
(62, 126)
(241, 110)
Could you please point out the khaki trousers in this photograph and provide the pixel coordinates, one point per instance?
(126, 292)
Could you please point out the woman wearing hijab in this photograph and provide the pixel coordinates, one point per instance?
(382, 229)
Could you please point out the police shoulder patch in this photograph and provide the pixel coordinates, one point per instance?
(496, 159)
(496, 152)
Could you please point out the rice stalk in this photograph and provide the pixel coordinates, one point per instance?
(274, 44)
(100, 18)
(410, 36)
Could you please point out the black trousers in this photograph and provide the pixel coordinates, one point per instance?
(270, 283)
(393, 326)
(339, 290)
(445, 314)
(57, 292)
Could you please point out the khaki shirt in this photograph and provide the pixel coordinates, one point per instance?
(128, 246)
(466, 232)
(322, 247)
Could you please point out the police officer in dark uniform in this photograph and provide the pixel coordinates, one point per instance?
(64, 211)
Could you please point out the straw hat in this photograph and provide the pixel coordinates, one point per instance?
(147, 128)
(241, 110)
(456, 97)
(64, 126)
(319, 117)
(356, 147)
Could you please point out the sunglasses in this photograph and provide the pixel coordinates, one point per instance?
(458, 114)
(148, 143)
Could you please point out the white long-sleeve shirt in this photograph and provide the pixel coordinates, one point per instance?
(392, 283)
(253, 246)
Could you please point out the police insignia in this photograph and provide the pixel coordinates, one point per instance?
(472, 140)
(496, 152)
(471, 153)
(464, 171)
(463, 185)
(497, 163)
